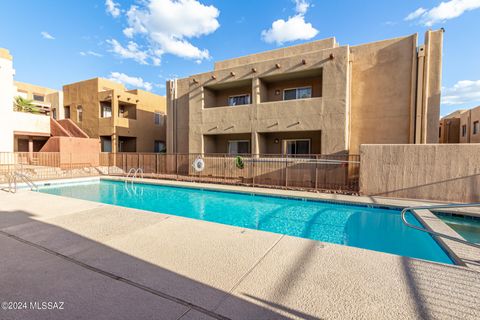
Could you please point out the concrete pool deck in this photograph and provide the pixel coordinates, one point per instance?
(108, 262)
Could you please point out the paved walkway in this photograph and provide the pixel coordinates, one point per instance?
(107, 262)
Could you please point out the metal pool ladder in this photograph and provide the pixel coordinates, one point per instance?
(12, 180)
(133, 172)
(437, 234)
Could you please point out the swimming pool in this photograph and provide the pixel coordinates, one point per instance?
(352, 225)
(467, 227)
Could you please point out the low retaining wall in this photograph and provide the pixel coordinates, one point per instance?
(445, 172)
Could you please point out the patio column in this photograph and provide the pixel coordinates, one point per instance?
(30, 144)
(114, 143)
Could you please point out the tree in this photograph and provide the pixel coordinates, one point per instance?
(25, 105)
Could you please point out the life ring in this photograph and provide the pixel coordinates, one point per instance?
(198, 164)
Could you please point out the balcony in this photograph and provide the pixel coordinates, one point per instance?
(231, 94)
(291, 86)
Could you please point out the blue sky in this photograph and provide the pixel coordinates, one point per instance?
(145, 42)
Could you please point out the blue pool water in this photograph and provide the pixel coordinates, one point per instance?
(351, 225)
(467, 227)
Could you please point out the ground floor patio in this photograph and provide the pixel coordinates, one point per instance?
(108, 262)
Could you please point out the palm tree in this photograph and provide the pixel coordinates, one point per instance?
(25, 105)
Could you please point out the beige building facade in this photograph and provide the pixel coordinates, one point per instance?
(461, 126)
(124, 120)
(314, 98)
(32, 130)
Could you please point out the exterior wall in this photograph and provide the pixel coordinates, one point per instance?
(74, 152)
(431, 91)
(7, 90)
(444, 172)
(328, 113)
(31, 123)
(465, 121)
(52, 98)
(277, 53)
(449, 130)
(381, 92)
(465, 118)
(90, 93)
(474, 116)
(84, 93)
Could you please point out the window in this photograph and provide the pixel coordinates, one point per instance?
(239, 100)
(67, 112)
(38, 97)
(158, 118)
(301, 146)
(476, 127)
(464, 130)
(79, 114)
(297, 93)
(440, 132)
(54, 113)
(159, 147)
(238, 146)
(106, 110)
(106, 143)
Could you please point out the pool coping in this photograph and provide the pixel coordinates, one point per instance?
(460, 254)
(415, 279)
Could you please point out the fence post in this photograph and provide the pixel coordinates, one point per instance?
(176, 164)
(286, 170)
(253, 169)
(316, 172)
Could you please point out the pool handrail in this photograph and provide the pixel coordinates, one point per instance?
(438, 234)
(131, 171)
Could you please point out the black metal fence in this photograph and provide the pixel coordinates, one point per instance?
(307, 172)
(333, 173)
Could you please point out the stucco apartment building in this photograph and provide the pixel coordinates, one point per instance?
(124, 120)
(24, 131)
(461, 126)
(320, 98)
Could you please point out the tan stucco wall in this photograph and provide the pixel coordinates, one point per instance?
(449, 130)
(380, 92)
(90, 92)
(277, 53)
(446, 172)
(328, 113)
(32, 88)
(433, 84)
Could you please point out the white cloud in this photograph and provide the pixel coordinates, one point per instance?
(168, 25)
(47, 35)
(113, 8)
(444, 11)
(464, 92)
(131, 51)
(301, 6)
(90, 53)
(135, 82)
(415, 14)
(295, 28)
